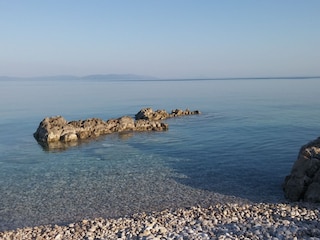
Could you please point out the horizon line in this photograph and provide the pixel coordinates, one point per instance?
(150, 78)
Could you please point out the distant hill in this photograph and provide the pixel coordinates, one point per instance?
(96, 77)
(134, 77)
(99, 77)
(118, 77)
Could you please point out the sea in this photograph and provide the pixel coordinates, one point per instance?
(240, 148)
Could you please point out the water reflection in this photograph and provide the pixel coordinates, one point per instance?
(60, 146)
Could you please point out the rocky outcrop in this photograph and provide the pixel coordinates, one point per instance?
(304, 181)
(57, 130)
(149, 114)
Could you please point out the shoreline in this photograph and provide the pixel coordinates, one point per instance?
(218, 221)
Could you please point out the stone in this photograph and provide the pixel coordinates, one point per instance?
(69, 137)
(149, 114)
(179, 112)
(303, 183)
(126, 124)
(50, 129)
(145, 114)
(313, 192)
(177, 225)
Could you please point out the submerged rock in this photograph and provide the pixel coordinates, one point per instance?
(303, 183)
(57, 131)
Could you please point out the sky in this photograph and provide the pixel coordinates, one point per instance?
(165, 39)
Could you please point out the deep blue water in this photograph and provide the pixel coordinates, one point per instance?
(243, 145)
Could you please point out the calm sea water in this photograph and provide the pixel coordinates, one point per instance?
(241, 146)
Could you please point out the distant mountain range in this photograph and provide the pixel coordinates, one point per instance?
(119, 77)
(133, 77)
(96, 77)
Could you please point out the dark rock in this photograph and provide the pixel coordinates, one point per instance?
(303, 183)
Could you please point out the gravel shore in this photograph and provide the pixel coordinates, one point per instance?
(220, 221)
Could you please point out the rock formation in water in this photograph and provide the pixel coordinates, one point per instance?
(304, 181)
(53, 130)
(149, 114)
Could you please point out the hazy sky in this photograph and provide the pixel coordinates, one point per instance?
(167, 38)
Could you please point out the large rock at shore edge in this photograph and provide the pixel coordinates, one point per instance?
(303, 183)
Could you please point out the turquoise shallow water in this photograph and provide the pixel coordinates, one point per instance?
(242, 145)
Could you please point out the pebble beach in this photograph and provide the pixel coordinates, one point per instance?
(219, 221)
